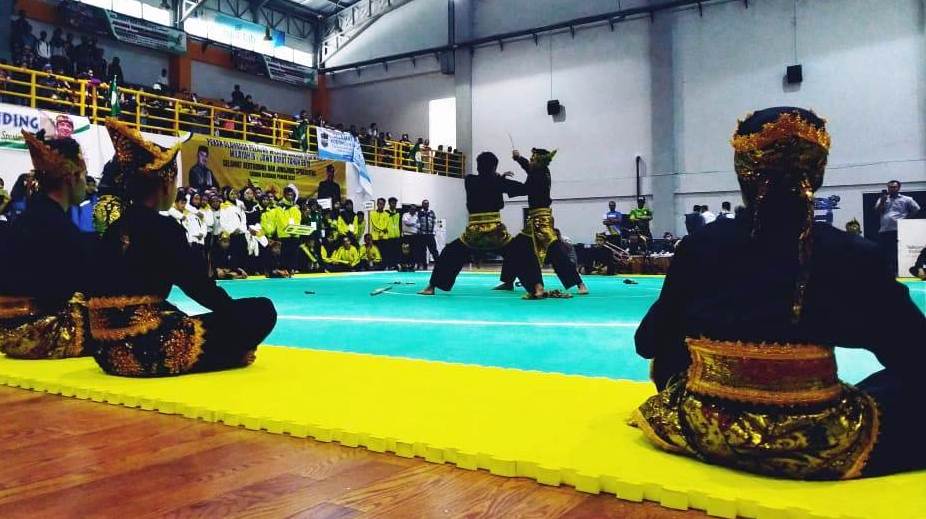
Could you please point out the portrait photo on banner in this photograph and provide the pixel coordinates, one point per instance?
(239, 164)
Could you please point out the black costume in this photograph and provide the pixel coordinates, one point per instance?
(539, 232)
(45, 262)
(742, 335)
(486, 232)
(143, 255)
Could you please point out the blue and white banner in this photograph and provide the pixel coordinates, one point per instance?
(335, 145)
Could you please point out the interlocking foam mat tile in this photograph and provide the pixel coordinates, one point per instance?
(556, 429)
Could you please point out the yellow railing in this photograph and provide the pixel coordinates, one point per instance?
(170, 115)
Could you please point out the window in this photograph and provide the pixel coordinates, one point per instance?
(442, 122)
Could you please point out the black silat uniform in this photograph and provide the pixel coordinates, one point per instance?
(486, 232)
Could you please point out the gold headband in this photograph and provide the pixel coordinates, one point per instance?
(49, 163)
(786, 126)
(137, 155)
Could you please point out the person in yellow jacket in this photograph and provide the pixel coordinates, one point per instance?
(289, 214)
(331, 225)
(348, 221)
(344, 259)
(391, 246)
(370, 256)
(310, 254)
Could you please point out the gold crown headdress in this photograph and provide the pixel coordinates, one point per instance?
(49, 162)
(139, 156)
(788, 125)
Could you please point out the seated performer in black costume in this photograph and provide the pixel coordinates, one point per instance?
(742, 335)
(539, 231)
(45, 261)
(486, 232)
(144, 254)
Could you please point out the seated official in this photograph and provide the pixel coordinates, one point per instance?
(225, 262)
(370, 256)
(45, 261)
(742, 336)
(274, 267)
(345, 258)
(144, 254)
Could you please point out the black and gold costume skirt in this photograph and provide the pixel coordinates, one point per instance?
(774, 409)
(485, 231)
(28, 332)
(540, 230)
(144, 336)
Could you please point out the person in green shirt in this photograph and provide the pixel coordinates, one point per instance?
(641, 217)
(313, 217)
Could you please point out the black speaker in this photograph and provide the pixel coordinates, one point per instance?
(795, 74)
(553, 107)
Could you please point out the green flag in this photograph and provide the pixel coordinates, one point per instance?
(114, 108)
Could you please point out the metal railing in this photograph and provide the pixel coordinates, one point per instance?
(156, 113)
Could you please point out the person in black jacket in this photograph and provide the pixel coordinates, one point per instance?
(742, 335)
(45, 260)
(486, 232)
(144, 254)
(539, 231)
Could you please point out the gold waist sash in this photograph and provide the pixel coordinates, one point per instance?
(763, 374)
(30, 332)
(117, 318)
(540, 229)
(485, 231)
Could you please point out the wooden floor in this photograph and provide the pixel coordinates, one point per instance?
(61, 458)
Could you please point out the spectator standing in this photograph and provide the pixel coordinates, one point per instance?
(410, 236)
(612, 221)
(289, 214)
(427, 221)
(115, 72)
(395, 231)
(694, 220)
(641, 217)
(329, 188)
(43, 49)
(237, 97)
(348, 222)
(726, 211)
(893, 206)
(82, 215)
(708, 216)
(201, 177)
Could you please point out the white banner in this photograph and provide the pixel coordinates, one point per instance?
(14, 119)
(335, 145)
(911, 239)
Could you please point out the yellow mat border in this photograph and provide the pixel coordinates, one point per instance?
(637, 490)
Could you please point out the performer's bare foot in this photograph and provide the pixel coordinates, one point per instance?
(538, 291)
(427, 291)
(504, 286)
(583, 290)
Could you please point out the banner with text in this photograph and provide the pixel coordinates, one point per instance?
(237, 164)
(126, 29)
(335, 145)
(14, 119)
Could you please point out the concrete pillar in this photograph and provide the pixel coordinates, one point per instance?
(665, 162)
(463, 79)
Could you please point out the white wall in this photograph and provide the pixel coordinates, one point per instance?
(446, 195)
(863, 71)
(217, 82)
(397, 100)
(603, 80)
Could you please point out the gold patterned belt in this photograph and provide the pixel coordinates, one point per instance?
(16, 307)
(117, 318)
(483, 218)
(764, 374)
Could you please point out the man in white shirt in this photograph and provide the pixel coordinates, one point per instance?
(410, 229)
(893, 206)
(707, 214)
(43, 49)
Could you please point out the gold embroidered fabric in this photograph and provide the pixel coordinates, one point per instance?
(806, 434)
(117, 318)
(769, 374)
(107, 210)
(137, 155)
(48, 163)
(540, 230)
(25, 333)
(485, 231)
